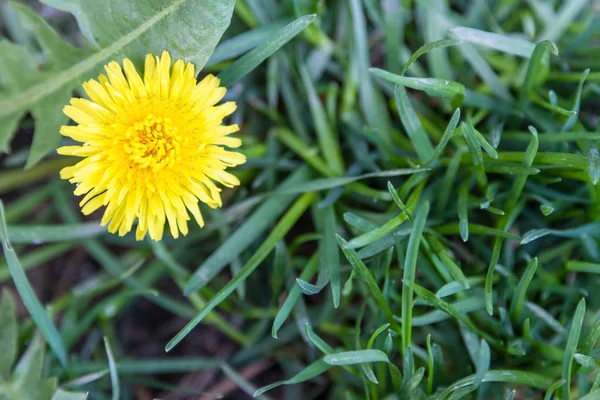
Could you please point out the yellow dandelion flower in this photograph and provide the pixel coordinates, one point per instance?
(151, 147)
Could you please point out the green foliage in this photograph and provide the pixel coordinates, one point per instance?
(418, 217)
(26, 381)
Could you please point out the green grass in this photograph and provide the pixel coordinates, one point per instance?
(418, 218)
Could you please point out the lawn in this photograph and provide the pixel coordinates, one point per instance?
(410, 207)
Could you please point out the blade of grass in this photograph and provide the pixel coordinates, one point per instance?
(431, 86)
(571, 348)
(38, 234)
(412, 125)
(278, 232)
(506, 44)
(114, 376)
(363, 272)
(288, 305)
(251, 60)
(426, 48)
(30, 300)
(537, 70)
(448, 134)
(440, 304)
(245, 235)
(521, 291)
(410, 265)
(327, 137)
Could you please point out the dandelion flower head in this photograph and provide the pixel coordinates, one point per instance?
(152, 147)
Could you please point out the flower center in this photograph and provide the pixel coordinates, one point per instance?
(153, 143)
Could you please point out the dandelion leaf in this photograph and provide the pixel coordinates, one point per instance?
(188, 29)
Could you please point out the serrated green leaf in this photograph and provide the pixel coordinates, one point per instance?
(140, 27)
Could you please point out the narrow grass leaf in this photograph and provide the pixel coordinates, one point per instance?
(426, 48)
(327, 137)
(593, 165)
(529, 379)
(440, 304)
(483, 362)
(506, 44)
(453, 268)
(463, 210)
(448, 134)
(380, 232)
(585, 361)
(554, 387)
(293, 296)
(410, 265)
(245, 235)
(556, 26)
(375, 334)
(30, 300)
(371, 100)
(251, 60)
(240, 381)
(64, 395)
(583, 266)
(570, 122)
(519, 296)
(412, 125)
(408, 392)
(356, 357)
(244, 42)
(38, 234)
(485, 71)
(313, 370)
(431, 86)
(571, 347)
(363, 272)
(330, 183)
(331, 255)
(537, 70)
(278, 232)
(112, 366)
